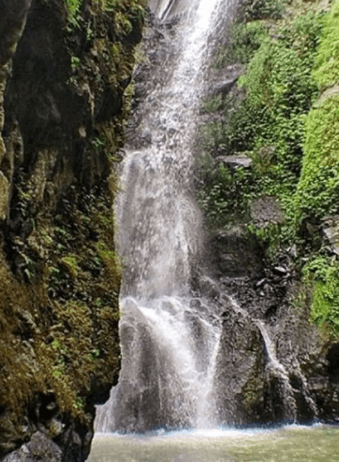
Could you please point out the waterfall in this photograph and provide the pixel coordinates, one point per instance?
(169, 338)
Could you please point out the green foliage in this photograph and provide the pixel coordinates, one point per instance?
(73, 8)
(322, 275)
(279, 79)
(318, 190)
(244, 40)
(327, 64)
(110, 260)
(124, 11)
(71, 263)
(75, 62)
(225, 193)
(123, 24)
(267, 125)
(261, 9)
(213, 104)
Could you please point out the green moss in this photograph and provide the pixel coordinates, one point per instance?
(267, 125)
(71, 263)
(327, 66)
(322, 275)
(318, 190)
(73, 8)
(111, 261)
(244, 40)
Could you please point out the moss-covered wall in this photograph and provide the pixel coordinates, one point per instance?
(65, 71)
(283, 116)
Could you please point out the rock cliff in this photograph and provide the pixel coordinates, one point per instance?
(65, 72)
(264, 182)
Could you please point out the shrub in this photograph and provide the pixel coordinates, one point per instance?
(244, 40)
(327, 64)
(267, 124)
(323, 275)
(318, 189)
(261, 9)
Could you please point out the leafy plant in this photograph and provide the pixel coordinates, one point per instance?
(260, 9)
(323, 275)
(244, 40)
(267, 125)
(327, 64)
(73, 7)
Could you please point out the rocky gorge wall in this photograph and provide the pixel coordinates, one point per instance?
(260, 181)
(65, 70)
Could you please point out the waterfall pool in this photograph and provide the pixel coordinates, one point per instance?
(319, 443)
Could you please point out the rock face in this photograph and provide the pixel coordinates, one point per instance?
(39, 448)
(331, 232)
(272, 364)
(63, 105)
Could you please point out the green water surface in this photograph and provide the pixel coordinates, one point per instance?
(302, 444)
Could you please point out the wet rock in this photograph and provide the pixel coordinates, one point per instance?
(240, 375)
(238, 254)
(223, 87)
(234, 162)
(331, 232)
(208, 287)
(40, 447)
(195, 303)
(265, 211)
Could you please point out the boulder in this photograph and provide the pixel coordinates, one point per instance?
(40, 447)
(238, 254)
(266, 211)
(234, 162)
(331, 232)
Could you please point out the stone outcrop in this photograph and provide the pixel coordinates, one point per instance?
(331, 232)
(272, 366)
(64, 73)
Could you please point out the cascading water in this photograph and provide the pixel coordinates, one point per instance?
(169, 339)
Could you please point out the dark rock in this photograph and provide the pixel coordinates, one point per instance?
(237, 253)
(265, 211)
(331, 232)
(40, 447)
(61, 114)
(208, 287)
(240, 375)
(195, 303)
(222, 87)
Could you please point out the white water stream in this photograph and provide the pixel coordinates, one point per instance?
(169, 340)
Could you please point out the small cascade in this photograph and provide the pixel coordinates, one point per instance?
(278, 371)
(169, 346)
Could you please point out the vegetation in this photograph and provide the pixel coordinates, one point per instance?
(286, 122)
(123, 11)
(59, 274)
